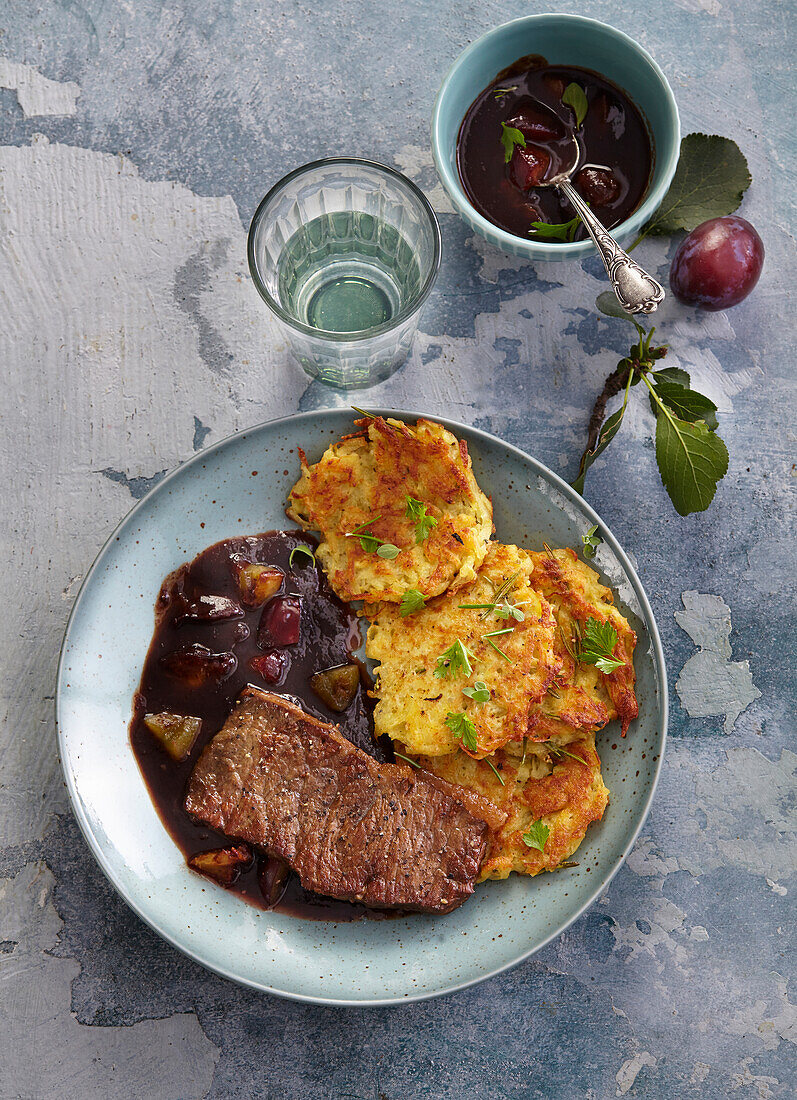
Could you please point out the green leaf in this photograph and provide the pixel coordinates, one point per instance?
(672, 374)
(462, 727)
(560, 231)
(510, 137)
(412, 601)
(607, 303)
(388, 551)
(575, 97)
(686, 404)
(611, 427)
(536, 835)
(416, 511)
(692, 459)
(597, 646)
(457, 658)
(300, 550)
(591, 541)
(479, 693)
(709, 182)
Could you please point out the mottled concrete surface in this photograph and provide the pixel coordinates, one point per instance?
(135, 141)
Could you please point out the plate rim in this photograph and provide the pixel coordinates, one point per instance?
(657, 653)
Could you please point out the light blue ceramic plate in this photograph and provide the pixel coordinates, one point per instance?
(215, 496)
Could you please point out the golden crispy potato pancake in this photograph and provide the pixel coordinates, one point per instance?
(366, 479)
(577, 700)
(577, 595)
(414, 702)
(563, 793)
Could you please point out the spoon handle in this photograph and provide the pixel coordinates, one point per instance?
(637, 292)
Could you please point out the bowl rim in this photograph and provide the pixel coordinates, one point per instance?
(542, 249)
(358, 336)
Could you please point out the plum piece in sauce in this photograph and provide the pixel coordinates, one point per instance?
(280, 623)
(196, 665)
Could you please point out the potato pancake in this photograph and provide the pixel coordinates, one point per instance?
(419, 688)
(577, 595)
(394, 486)
(560, 792)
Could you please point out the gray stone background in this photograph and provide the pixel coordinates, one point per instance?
(136, 139)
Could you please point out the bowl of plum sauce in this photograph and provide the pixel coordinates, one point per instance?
(506, 116)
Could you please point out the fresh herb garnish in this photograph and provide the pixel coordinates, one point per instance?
(300, 550)
(572, 755)
(502, 605)
(536, 835)
(457, 658)
(523, 758)
(416, 511)
(575, 97)
(479, 693)
(501, 93)
(559, 231)
(691, 457)
(503, 610)
(597, 646)
(401, 756)
(498, 775)
(592, 541)
(494, 634)
(462, 727)
(510, 137)
(412, 601)
(370, 543)
(709, 182)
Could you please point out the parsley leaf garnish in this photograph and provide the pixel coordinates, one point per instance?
(457, 658)
(510, 137)
(597, 646)
(462, 727)
(592, 541)
(536, 835)
(300, 550)
(416, 511)
(559, 231)
(575, 97)
(412, 601)
(479, 693)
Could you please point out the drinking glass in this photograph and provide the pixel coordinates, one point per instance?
(345, 252)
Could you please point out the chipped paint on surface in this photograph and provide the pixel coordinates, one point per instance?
(163, 1059)
(37, 95)
(710, 683)
(629, 1070)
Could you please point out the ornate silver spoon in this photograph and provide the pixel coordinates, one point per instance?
(636, 290)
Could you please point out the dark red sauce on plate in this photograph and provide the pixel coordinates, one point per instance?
(615, 159)
(328, 635)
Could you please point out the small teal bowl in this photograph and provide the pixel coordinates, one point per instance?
(562, 40)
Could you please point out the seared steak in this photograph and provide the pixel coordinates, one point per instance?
(382, 834)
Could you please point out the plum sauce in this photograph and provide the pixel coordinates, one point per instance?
(205, 649)
(615, 158)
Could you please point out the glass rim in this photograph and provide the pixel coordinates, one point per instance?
(328, 334)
